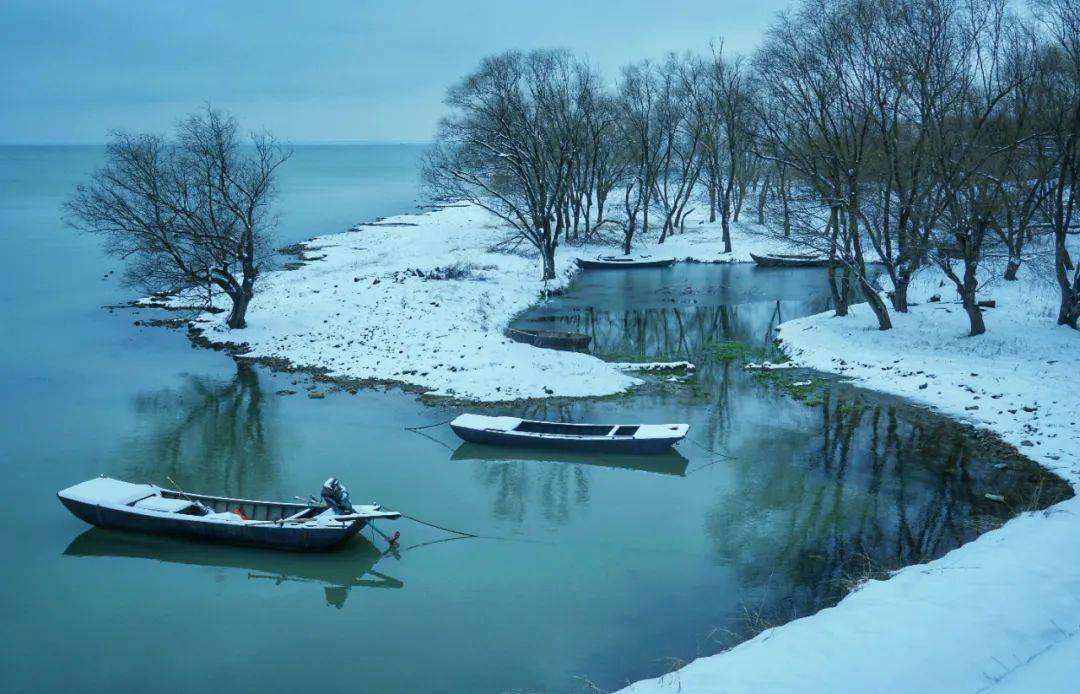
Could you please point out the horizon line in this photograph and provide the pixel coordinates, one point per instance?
(299, 143)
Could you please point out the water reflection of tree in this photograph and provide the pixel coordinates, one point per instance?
(878, 487)
(208, 435)
(557, 489)
(675, 332)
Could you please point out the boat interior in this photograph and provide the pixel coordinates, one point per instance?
(531, 427)
(197, 505)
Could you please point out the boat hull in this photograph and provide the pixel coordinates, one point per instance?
(550, 339)
(586, 264)
(780, 261)
(270, 535)
(581, 443)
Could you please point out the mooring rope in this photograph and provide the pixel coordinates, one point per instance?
(430, 426)
(710, 451)
(438, 527)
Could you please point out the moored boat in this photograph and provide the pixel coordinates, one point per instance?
(550, 339)
(119, 505)
(608, 262)
(596, 438)
(790, 260)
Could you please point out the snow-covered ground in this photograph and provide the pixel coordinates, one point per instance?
(1000, 613)
(425, 300)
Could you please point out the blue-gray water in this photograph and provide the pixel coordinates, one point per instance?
(591, 569)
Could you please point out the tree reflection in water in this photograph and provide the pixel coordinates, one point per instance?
(816, 493)
(877, 487)
(209, 435)
(559, 488)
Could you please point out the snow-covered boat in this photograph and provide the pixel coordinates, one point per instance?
(550, 339)
(118, 505)
(607, 262)
(789, 260)
(596, 438)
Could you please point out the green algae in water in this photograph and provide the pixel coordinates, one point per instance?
(731, 350)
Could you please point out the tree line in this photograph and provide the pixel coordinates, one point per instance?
(913, 133)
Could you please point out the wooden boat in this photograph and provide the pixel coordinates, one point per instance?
(594, 438)
(667, 462)
(550, 339)
(790, 260)
(607, 262)
(118, 505)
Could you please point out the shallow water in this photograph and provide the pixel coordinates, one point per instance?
(598, 569)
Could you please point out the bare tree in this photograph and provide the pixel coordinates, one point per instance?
(511, 144)
(638, 102)
(191, 212)
(680, 140)
(817, 121)
(973, 140)
(1061, 72)
(724, 112)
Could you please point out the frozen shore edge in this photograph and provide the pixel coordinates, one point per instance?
(1001, 612)
(998, 611)
(423, 301)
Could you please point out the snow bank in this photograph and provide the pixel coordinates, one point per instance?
(419, 299)
(1003, 611)
(425, 300)
(703, 242)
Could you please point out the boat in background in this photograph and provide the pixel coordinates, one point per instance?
(118, 505)
(550, 339)
(790, 260)
(608, 262)
(593, 438)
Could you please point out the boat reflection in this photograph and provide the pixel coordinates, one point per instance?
(338, 572)
(670, 462)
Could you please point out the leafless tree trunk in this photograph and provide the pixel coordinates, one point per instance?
(189, 213)
(512, 142)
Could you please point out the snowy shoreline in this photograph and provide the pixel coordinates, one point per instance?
(1001, 612)
(423, 300)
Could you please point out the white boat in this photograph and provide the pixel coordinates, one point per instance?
(608, 262)
(119, 505)
(598, 438)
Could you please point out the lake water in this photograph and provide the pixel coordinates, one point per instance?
(590, 570)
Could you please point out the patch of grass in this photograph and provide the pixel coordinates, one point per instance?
(803, 391)
(627, 356)
(731, 351)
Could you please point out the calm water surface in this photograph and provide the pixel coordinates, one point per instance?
(602, 569)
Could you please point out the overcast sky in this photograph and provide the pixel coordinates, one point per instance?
(321, 71)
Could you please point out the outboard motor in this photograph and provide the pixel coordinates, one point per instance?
(336, 497)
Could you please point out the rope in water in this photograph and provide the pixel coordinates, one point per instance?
(429, 426)
(720, 457)
(438, 527)
(710, 451)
